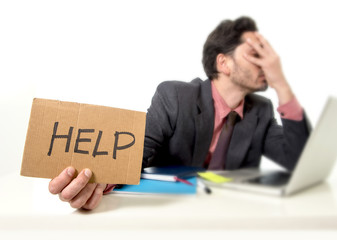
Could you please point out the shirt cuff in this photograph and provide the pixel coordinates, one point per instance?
(109, 188)
(291, 110)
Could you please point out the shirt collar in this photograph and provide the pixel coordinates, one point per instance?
(221, 106)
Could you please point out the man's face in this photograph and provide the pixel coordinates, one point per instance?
(248, 76)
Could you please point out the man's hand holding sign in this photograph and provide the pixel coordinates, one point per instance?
(90, 145)
(77, 191)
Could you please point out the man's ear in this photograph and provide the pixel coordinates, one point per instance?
(223, 64)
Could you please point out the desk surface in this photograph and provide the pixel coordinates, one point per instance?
(26, 204)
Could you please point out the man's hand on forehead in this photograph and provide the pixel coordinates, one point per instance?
(267, 59)
(261, 46)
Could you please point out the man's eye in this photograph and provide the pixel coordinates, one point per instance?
(256, 55)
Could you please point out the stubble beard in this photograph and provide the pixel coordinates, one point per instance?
(242, 78)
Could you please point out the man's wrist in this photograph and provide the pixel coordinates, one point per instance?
(284, 93)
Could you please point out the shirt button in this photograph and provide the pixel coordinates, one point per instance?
(282, 114)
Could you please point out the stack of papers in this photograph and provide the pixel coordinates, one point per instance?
(170, 173)
(170, 180)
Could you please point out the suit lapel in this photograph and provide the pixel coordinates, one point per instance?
(203, 137)
(241, 138)
(204, 124)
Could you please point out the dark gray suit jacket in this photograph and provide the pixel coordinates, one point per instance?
(180, 122)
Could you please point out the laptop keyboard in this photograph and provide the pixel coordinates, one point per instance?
(272, 179)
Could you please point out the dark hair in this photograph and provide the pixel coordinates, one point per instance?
(224, 39)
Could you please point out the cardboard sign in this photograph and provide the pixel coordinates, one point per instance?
(107, 140)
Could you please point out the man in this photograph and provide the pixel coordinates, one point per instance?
(185, 121)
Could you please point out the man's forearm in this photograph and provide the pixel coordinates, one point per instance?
(284, 92)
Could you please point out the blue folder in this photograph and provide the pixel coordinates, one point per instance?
(160, 187)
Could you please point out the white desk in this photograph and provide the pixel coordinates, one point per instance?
(27, 207)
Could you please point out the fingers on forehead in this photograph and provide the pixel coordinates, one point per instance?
(255, 44)
(261, 39)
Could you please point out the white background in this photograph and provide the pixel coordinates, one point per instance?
(115, 53)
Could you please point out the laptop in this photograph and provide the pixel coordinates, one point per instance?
(314, 166)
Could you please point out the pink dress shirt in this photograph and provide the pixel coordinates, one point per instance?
(291, 110)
